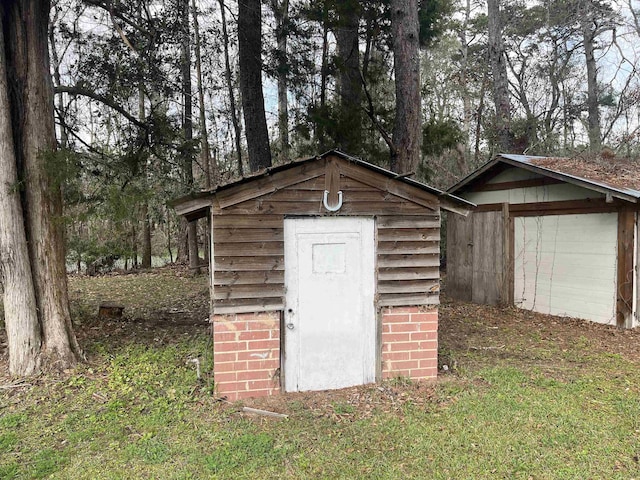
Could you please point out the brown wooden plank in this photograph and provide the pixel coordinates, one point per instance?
(487, 269)
(401, 247)
(528, 183)
(409, 234)
(227, 292)
(507, 252)
(226, 235)
(397, 187)
(259, 186)
(249, 249)
(190, 206)
(332, 182)
(459, 256)
(233, 264)
(248, 277)
(564, 207)
(389, 261)
(625, 270)
(346, 184)
(408, 273)
(349, 207)
(291, 195)
(409, 286)
(244, 221)
(228, 307)
(409, 299)
(427, 221)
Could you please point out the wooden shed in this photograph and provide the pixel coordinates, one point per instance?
(553, 235)
(324, 274)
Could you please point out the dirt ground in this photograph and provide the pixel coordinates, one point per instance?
(470, 337)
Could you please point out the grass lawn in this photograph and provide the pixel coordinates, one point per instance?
(526, 396)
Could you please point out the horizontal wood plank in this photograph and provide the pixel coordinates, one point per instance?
(231, 264)
(401, 247)
(248, 277)
(408, 234)
(409, 299)
(388, 261)
(346, 184)
(225, 292)
(244, 221)
(291, 195)
(408, 273)
(232, 235)
(258, 207)
(409, 286)
(249, 249)
(428, 221)
(229, 307)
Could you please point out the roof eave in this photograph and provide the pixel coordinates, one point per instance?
(580, 182)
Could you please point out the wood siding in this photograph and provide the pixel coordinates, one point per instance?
(476, 257)
(248, 251)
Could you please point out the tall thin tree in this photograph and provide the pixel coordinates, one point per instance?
(407, 132)
(250, 57)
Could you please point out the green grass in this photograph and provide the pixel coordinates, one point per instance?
(137, 410)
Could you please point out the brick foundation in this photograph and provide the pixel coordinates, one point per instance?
(246, 354)
(409, 342)
(246, 351)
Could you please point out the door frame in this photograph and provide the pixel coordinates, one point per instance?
(376, 312)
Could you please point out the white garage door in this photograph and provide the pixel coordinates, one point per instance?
(566, 265)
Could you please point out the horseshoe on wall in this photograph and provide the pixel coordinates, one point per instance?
(325, 201)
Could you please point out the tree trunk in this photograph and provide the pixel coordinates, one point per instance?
(31, 105)
(324, 73)
(250, 59)
(588, 38)
(500, 81)
(281, 14)
(146, 236)
(349, 131)
(64, 139)
(407, 131)
(187, 128)
(232, 98)
(21, 316)
(210, 169)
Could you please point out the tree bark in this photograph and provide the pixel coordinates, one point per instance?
(31, 106)
(498, 64)
(281, 14)
(250, 59)
(232, 98)
(407, 131)
(593, 111)
(187, 128)
(209, 168)
(349, 131)
(21, 317)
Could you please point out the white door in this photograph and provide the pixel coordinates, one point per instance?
(566, 265)
(329, 314)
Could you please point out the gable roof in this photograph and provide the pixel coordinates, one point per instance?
(194, 205)
(619, 179)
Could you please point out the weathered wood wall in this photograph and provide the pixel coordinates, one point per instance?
(248, 244)
(476, 257)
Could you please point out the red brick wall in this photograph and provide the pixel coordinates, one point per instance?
(246, 354)
(409, 342)
(246, 351)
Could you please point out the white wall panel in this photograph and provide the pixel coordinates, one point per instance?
(566, 265)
